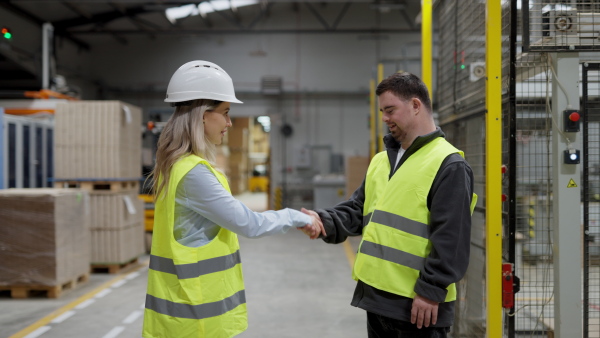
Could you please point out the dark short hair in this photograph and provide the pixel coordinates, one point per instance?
(406, 86)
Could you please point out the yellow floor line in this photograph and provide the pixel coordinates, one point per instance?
(47, 319)
(349, 253)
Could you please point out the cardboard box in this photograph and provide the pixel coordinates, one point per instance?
(117, 227)
(118, 246)
(115, 210)
(44, 236)
(356, 170)
(97, 139)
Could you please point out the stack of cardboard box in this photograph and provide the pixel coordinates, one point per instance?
(238, 140)
(356, 170)
(98, 148)
(44, 239)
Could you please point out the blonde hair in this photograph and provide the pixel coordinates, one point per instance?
(182, 135)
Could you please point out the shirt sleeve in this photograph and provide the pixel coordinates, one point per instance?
(206, 196)
(345, 219)
(449, 202)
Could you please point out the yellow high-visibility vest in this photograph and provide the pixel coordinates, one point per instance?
(395, 239)
(193, 292)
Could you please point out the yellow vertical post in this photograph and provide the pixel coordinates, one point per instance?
(380, 114)
(372, 120)
(493, 175)
(426, 43)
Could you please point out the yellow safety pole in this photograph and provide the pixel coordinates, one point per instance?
(380, 114)
(426, 43)
(372, 120)
(493, 174)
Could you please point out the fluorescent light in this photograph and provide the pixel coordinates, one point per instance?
(222, 5)
(175, 13)
(205, 7)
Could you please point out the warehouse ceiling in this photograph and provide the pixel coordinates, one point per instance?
(89, 24)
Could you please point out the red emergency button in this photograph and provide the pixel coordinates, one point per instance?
(574, 116)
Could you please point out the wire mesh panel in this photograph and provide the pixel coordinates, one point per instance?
(468, 135)
(527, 152)
(461, 111)
(533, 312)
(555, 25)
(461, 65)
(591, 199)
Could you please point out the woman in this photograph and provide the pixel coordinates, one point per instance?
(195, 282)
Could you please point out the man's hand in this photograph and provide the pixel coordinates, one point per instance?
(314, 229)
(424, 312)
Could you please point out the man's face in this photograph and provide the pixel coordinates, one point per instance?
(398, 115)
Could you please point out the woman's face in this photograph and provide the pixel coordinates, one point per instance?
(216, 122)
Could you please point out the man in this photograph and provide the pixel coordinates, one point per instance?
(414, 212)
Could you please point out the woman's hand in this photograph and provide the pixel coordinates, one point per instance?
(315, 229)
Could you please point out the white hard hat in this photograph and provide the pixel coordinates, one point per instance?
(200, 80)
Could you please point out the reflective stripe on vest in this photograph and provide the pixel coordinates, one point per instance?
(192, 270)
(392, 255)
(396, 239)
(193, 292)
(400, 223)
(200, 311)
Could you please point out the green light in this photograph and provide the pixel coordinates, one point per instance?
(6, 33)
(462, 66)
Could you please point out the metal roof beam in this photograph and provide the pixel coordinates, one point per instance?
(139, 23)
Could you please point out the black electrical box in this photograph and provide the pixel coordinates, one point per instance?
(571, 121)
(572, 156)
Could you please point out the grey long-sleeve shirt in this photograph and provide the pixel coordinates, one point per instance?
(203, 206)
(449, 202)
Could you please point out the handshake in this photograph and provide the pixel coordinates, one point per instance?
(314, 229)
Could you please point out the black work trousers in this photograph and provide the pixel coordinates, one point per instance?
(385, 327)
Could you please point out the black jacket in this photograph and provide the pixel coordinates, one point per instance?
(450, 233)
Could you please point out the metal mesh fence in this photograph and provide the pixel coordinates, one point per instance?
(527, 152)
(555, 25)
(461, 111)
(461, 66)
(591, 199)
(533, 205)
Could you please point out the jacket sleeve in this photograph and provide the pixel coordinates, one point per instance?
(449, 202)
(345, 219)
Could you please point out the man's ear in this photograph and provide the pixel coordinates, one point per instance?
(416, 103)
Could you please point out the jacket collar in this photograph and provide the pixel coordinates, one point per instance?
(392, 146)
(391, 143)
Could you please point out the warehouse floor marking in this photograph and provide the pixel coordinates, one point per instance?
(58, 316)
(349, 252)
(40, 327)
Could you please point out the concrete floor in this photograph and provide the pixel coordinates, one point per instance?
(295, 287)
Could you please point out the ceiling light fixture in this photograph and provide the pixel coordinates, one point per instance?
(205, 7)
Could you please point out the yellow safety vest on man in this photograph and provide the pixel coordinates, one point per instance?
(193, 292)
(395, 239)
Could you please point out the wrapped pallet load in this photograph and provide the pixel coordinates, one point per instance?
(44, 240)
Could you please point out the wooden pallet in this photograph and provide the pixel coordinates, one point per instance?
(113, 268)
(98, 186)
(31, 291)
